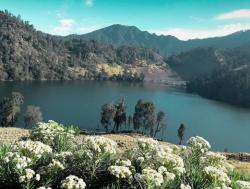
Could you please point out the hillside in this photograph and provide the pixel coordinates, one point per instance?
(220, 74)
(119, 35)
(28, 54)
(196, 63)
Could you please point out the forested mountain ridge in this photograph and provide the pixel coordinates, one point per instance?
(28, 54)
(229, 81)
(118, 35)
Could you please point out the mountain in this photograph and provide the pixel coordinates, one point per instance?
(227, 81)
(28, 54)
(196, 62)
(203, 61)
(119, 35)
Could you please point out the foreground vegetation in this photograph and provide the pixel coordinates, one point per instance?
(51, 157)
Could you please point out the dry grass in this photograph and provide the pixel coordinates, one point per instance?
(242, 167)
(8, 135)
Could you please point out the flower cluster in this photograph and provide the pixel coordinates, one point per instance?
(43, 163)
(243, 184)
(73, 182)
(147, 143)
(100, 145)
(159, 164)
(152, 177)
(217, 175)
(35, 149)
(55, 164)
(28, 174)
(48, 132)
(216, 160)
(199, 144)
(19, 161)
(120, 172)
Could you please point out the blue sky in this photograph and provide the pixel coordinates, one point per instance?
(185, 19)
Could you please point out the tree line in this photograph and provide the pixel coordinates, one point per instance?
(145, 119)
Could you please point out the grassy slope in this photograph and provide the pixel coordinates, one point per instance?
(124, 141)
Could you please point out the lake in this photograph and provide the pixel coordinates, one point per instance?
(79, 103)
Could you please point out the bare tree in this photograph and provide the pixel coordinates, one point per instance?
(9, 108)
(120, 115)
(107, 115)
(160, 122)
(181, 132)
(32, 115)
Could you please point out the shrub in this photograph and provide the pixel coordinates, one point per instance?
(45, 163)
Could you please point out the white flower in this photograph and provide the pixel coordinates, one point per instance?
(120, 172)
(168, 177)
(217, 174)
(152, 177)
(6, 159)
(27, 176)
(38, 177)
(147, 143)
(43, 187)
(124, 162)
(100, 144)
(47, 132)
(199, 144)
(36, 148)
(56, 164)
(183, 186)
(243, 184)
(73, 182)
(140, 160)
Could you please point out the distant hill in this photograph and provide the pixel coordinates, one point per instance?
(28, 54)
(203, 61)
(119, 35)
(227, 78)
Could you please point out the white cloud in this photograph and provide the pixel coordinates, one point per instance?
(237, 14)
(65, 27)
(188, 33)
(89, 3)
(67, 22)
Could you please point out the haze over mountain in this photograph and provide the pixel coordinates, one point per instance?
(119, 35)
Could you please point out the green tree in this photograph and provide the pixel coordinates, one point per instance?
(120, 115)
(32, 115)
(9, 108)
(160, 122)
(107, 115)
(149, 117)
(181, 132)
(144, 116)
(138, 116)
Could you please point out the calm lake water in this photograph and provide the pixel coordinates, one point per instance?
(79, 103)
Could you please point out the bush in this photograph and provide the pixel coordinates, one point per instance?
(44, 162)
